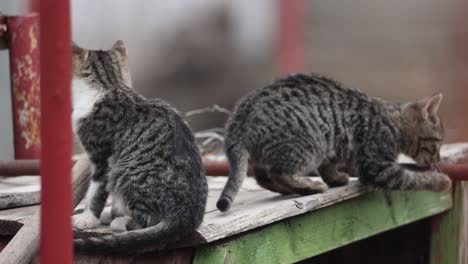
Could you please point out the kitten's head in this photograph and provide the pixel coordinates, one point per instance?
(96, 66)
(423, 131)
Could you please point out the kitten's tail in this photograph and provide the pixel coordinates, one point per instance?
(129, 241)
(238, 158)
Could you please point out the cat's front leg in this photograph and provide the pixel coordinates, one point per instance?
(393, 176)
(95, 200)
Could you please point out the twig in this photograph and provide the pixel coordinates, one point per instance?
(211, 109)
(213, 139)
(209, 135)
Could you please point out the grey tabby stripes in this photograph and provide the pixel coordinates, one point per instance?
(144, 155)
(310, 125)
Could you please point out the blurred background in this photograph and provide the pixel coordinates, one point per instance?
(196, 53)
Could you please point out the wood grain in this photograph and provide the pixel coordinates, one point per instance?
(449, 232)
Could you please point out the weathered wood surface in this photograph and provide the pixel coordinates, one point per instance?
(256, 208)
(253, 208)
(25, 244)
(319, 231)
(25, 190)
(449, 234)
(19, 191)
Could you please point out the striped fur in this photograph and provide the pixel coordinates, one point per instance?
(144, 154)
(310, 125)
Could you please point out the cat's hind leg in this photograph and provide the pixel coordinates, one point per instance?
(264, 181)
(124, 223)
(296, 182)
(289, 164)
(332, 175)
(117, 209)
(106, 216)
(123, 217)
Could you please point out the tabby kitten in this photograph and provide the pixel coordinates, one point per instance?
(309, 125)
(143, 154)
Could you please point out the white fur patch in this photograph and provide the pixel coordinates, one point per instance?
(92, 189)
(84, 97)
(106, 216)
(86, 220)
(402, 158)
(118, 205)
(119, 224)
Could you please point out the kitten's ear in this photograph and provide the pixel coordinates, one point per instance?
(76, 49)
(120, 46)
(430, 105)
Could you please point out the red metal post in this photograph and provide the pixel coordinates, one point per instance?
(23, 38)
(34, 5)
(290, 57)
(56, 196)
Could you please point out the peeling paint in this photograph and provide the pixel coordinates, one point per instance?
(23, 34)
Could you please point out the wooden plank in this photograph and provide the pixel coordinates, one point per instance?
(449, 236)
(19, 191)
(266, 208)
(25, 190)
(12, 220)
(25, 244)
(316, 232)
(255, 208)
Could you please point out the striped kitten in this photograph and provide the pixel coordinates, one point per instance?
(309, 125)
(143, 153)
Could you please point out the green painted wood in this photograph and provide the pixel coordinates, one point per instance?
(316, 232)
(449, 231)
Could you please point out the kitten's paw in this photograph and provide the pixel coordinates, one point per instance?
(340, 179)
(313, 187)
(106, 216)
(321, 187)
(86, 220)
(119, 224)
(441, 182)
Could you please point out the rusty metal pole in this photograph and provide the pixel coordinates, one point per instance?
(56, 194)
(23, 43)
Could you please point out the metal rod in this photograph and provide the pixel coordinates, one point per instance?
(56, 194)
(457, 172)
(14, 168)
(212, 168)
(19, 167)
